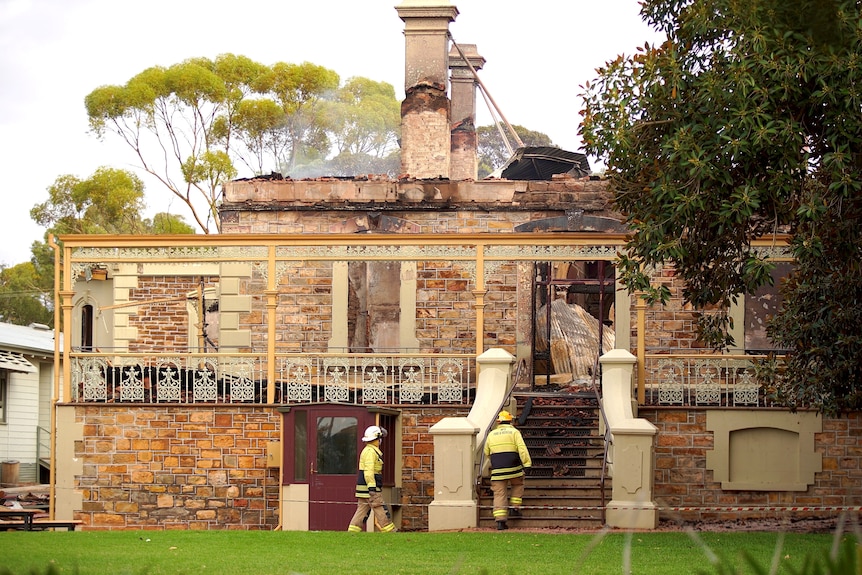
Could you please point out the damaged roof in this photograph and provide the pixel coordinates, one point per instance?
(543, 162)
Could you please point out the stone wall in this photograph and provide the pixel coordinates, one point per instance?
(189, 467)
(417, 490)
(672, 326)
(683, 480)
(203, 467)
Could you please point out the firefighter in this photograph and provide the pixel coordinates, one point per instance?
(509, 457)
(369, 481)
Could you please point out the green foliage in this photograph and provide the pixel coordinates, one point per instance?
(25, 297)
(364, 118)
(164, 223)
(843, 560)
(745, 123)
(108, 202)
(201, 118)
(493, 152)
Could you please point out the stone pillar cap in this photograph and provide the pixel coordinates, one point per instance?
(426, 9)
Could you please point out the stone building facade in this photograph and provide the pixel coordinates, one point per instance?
(311, 275)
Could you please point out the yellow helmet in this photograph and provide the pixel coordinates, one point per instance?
(504, 416)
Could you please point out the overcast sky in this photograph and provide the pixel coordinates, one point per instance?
(54, 52)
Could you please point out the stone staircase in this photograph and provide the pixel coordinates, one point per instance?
(564, 487)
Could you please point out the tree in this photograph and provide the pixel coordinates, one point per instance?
(493, 152)
(744, 123)
(191, 124)
(364, 118)
(110, 201)
(23, 296)
(186, 114)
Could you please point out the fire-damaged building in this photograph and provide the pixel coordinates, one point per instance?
(224, 382)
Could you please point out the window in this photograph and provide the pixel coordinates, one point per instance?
(752, 312)
(87, 328)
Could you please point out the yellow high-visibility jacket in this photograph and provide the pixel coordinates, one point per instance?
(370, 470)
(507, 451)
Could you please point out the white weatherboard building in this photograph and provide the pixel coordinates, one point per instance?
(26, 382)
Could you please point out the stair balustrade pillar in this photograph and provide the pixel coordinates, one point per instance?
(454, 447)
(632, 453)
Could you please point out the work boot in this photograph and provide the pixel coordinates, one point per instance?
(515, 512)
(501, 526)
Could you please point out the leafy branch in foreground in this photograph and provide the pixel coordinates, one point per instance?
(745, 124)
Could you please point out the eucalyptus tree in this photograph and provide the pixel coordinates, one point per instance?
(194, 124)
(746, 122)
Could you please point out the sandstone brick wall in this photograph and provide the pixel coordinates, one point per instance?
(188, 467)
(501, 308)
(672, 326)
(163, 325)
(417, 491)
(323, 206)
(425, 147)
(682, 479)
(204, 467)
(303, 314)
(444, 308)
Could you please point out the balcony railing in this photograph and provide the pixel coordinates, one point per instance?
(382, 379)
(704, 380)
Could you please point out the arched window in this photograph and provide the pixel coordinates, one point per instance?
(87, 327)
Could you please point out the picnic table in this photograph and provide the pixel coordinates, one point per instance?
(24, 516)
(26, 520)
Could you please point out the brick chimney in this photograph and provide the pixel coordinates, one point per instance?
(464, 149)
(425, 124)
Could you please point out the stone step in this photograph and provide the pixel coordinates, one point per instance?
(564, 486)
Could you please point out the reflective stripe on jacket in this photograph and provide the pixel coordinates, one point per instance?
(507, 451)
(370, 470)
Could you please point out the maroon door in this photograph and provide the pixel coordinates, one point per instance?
(334, 434)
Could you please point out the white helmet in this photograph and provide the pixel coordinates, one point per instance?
(374, 432)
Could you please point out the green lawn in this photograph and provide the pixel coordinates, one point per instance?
(406, 553)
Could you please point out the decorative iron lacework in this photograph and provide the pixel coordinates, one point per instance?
(336, 372)
(169, 386)
(88, 379)
(241, 380)
(205, 381)
(542, 253)
(296, 373)
(204, 253)
(411, 372)
(400, 252)
(132, 384)
(707, 389)
(670, 382)
(715, 381)
(746, 390)
(774, 252)
(374, 380)
(450, 374)
(353, 379)
(262, 269)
